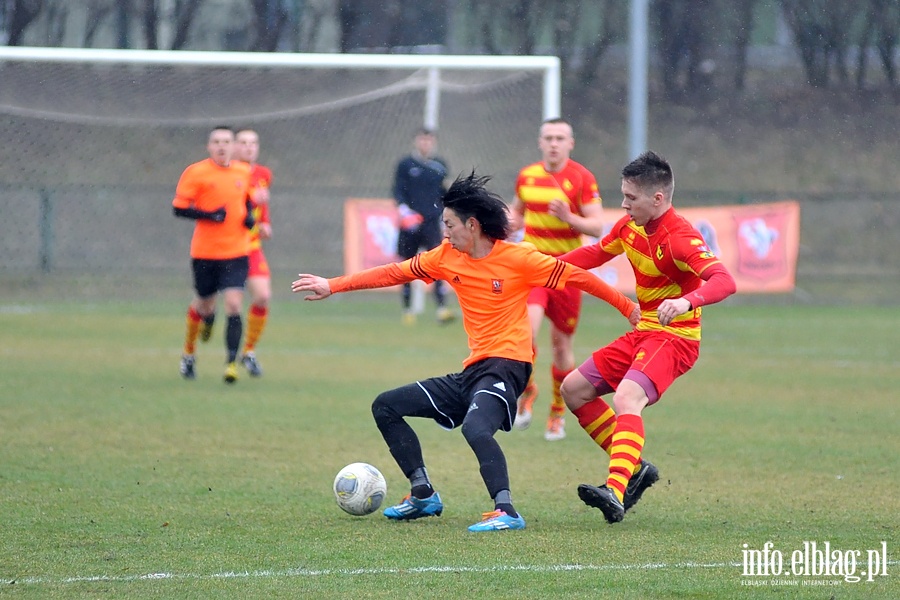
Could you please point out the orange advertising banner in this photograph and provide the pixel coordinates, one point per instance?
(758, 243)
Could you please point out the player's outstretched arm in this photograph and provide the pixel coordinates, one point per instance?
(597, 287)
(374, 277)
(587, 257)
(318, 286)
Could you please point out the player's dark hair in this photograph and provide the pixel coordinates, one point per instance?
(223, 128)
(650, 170)
(468, 197)
(556, 121)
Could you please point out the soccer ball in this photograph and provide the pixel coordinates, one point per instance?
(359, 489)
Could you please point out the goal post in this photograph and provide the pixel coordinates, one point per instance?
(96, 140)
(548, 65)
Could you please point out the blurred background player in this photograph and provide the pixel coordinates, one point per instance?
(213, 192)
(492, 278)
(676, 273)
(418, 186)
(259, 279)
(557, 201)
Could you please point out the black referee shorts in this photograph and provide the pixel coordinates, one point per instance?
(212, 276)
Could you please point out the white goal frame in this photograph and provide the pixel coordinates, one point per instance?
(549, 66)
(428, 81)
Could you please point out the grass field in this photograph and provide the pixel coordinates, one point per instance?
(120, 480)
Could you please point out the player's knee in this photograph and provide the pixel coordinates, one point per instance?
(476, 431)
(575, 395)
(629, 404)
(381, 408)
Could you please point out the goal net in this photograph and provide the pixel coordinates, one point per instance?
(95, 142)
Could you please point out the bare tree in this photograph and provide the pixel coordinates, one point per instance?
(269, 19)
(822, 30)
(742, 26)
(97, 11)
(309, 24)
(369, 24)
(684, 28)
(614, 18)
(57, 14)
(24, 12)
(150, 24)
(887, 17)
(184, 18)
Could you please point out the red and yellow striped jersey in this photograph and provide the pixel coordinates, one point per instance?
(536, 188)
(668, 257)
(260, 177)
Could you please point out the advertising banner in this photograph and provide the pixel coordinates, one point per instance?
(758, 243)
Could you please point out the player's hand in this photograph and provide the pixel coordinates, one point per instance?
(671, 308)
(409, 219)
(318, 286)
(560, 210)
(265, 231)
(412, 222)
(218, 215)
(635, 316)
(260, 194)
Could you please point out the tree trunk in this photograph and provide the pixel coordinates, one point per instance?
(23, 13)
(150, 24)
(742, 41)
(97, 11)
(184, 17)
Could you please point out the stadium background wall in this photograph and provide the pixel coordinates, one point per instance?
(89, 228)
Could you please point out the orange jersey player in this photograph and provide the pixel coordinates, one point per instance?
(557, 201)
(676, 275)
(492, 279)
(214, 193)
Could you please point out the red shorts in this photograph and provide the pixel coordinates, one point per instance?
(259, 267)
(661, 356)
(562, 307)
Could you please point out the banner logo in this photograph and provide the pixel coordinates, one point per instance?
(762, 251)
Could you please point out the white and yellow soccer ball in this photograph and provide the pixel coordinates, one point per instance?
(359, 489)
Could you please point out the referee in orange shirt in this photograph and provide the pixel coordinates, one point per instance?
(492, 279)
(214, 193)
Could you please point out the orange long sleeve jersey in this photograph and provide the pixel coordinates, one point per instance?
(207, 186)
(492, 291)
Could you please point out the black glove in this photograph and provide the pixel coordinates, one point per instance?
(217, 216)
(249, 221)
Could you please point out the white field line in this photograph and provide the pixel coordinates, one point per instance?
(310, 573)
(300, 572)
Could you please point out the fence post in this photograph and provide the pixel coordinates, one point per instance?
(46, 231)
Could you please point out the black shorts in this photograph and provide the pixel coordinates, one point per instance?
(212, 276)
(499, 379)
(428, 235)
